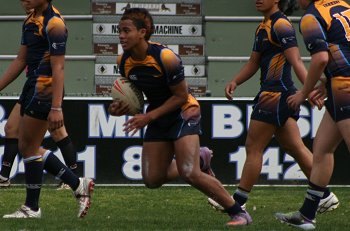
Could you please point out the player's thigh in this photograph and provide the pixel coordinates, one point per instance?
(31, 134)
(344, 128)
(187, 153)
(156, 158)
(327, 137)
(12, 124)
(259, 135)
(289, 135)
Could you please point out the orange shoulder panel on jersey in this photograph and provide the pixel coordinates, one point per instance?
(191, 101)
(282, 25)
(55, 22)
(308, 25)
(169, 60)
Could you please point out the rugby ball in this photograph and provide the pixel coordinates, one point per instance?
(123, 89)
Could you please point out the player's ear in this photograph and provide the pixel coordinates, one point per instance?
(143, 32)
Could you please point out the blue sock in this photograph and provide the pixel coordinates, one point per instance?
(10, 152)
(235, 209)
(69, 153)
(327, 192)
(55, 167)
(312, 198)
(33, 176)
(241, 196)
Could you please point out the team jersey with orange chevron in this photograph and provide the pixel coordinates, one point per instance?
(44, 36)
(272, 38)
(325, 26)
(154, 75)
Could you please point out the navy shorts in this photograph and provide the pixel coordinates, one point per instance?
(172, 127)
(32, 105)
(271, 107)
(338, 101)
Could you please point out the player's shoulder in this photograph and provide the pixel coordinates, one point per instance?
(308, 21)
(54, 18)
(168, 56)
(281, 21)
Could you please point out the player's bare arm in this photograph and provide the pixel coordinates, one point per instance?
(15, 68)
(247, 71)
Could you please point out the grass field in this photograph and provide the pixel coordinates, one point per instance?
(168, 208)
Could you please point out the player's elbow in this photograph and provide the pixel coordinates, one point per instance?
(321, 59)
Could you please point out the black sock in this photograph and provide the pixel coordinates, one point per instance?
(312, 198)
(235, 209)
(33, 176)
(69, 153)
(241, 196)
(326, 193)
(10, 152)
(55, 167)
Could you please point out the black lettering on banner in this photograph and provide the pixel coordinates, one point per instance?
(114, 29)
(168, 29)
(115, 69)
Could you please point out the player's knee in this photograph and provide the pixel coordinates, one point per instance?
(253, 150)
(11, 130)
(189, 175)
(152, 184)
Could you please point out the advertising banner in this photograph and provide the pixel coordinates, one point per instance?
(111, 156)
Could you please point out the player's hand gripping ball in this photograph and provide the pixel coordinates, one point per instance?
(124, 90)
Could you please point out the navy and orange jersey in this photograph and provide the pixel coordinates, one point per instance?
(272, 38)
(325, 26)
(44, 36)
(154, 75)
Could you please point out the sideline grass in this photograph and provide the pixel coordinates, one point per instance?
(168, 208)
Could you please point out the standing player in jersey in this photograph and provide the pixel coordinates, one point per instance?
(42, 51)
(326, 31)
(172, 117)
(60, 136)
(275, 51)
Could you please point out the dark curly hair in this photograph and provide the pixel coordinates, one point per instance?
(288, 6)
(141, 19)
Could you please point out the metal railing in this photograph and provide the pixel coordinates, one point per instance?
(237, 58)
(209, 58)
(206, 18)
(66, 17)
(68, 57)
(241, 18)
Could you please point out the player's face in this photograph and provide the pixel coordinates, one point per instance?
(32, 4)
(129, 36)
(265, 5)
(26, 7)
